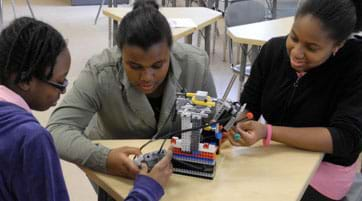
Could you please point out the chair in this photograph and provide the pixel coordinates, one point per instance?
(29, 6)
(14, 11)
(239, 13)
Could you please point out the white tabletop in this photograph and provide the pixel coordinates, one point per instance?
(260, 32)
(274, 173)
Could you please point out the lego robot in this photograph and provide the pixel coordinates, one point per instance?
(204, 119)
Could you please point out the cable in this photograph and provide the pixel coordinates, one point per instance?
(186, 130)
(173, 111)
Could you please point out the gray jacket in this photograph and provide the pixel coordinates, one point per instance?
(103, 105)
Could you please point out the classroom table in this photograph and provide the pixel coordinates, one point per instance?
(201, 16)
(257, 34)
(256, 173)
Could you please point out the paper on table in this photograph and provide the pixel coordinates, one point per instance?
(181, 22)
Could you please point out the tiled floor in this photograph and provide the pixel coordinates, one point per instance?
(87, 39)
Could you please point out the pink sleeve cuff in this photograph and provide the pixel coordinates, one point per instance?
(267, 139)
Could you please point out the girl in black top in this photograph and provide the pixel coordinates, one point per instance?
(308, 87)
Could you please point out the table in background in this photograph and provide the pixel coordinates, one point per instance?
(202, 17)
(277, 172)
(257, 34)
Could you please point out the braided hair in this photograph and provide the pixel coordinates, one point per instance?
(28, 47)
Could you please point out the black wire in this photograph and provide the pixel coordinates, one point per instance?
(173, 111)
(196, 128)
(163, 143)
(155, 136)
(187, 130)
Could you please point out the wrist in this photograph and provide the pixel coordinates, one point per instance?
(267, 138)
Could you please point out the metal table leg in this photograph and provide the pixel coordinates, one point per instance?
(115, 25)
(1, 15)
(188, 39)
(243, 58)
(207, 38)
(110, 25)
(274, 9)
(187, 3)
(226, 2)
(115, 31)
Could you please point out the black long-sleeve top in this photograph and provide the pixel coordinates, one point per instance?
(327, 96)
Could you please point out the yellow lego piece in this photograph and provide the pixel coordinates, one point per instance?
(208, 103)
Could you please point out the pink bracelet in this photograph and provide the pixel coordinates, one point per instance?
(267, 139)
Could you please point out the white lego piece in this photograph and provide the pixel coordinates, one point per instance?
(201, 95)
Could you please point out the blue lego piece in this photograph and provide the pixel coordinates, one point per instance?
(218, 135)
(237, 137)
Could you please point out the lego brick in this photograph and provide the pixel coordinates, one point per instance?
(194, 173)
(195, 160)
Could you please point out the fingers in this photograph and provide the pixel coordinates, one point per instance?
(144, 169)
(169, 148)
(248, 125)
(247, 138)
(130, 166)
(236, 142)
(243, 134)
(232, 141)
(131, 150)
(167, 157)
(165, 161)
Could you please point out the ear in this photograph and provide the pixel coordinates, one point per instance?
(24, 86)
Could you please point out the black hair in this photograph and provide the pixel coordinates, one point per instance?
(144, 26)
(339, 17)
(28, 47)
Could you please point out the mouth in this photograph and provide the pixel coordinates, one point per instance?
(297, 63)
(146, 87)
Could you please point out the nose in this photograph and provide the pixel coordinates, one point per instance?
(63, 91)
(298, 52)
(147, 75)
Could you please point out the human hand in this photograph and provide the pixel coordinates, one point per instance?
(162, 171)
(250, 132)
(245, 116)
(119, 163)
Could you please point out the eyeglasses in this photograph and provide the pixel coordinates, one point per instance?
(60, 86)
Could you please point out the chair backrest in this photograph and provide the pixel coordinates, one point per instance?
(244, 12)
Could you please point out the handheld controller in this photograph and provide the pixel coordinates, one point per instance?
(150, 159)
